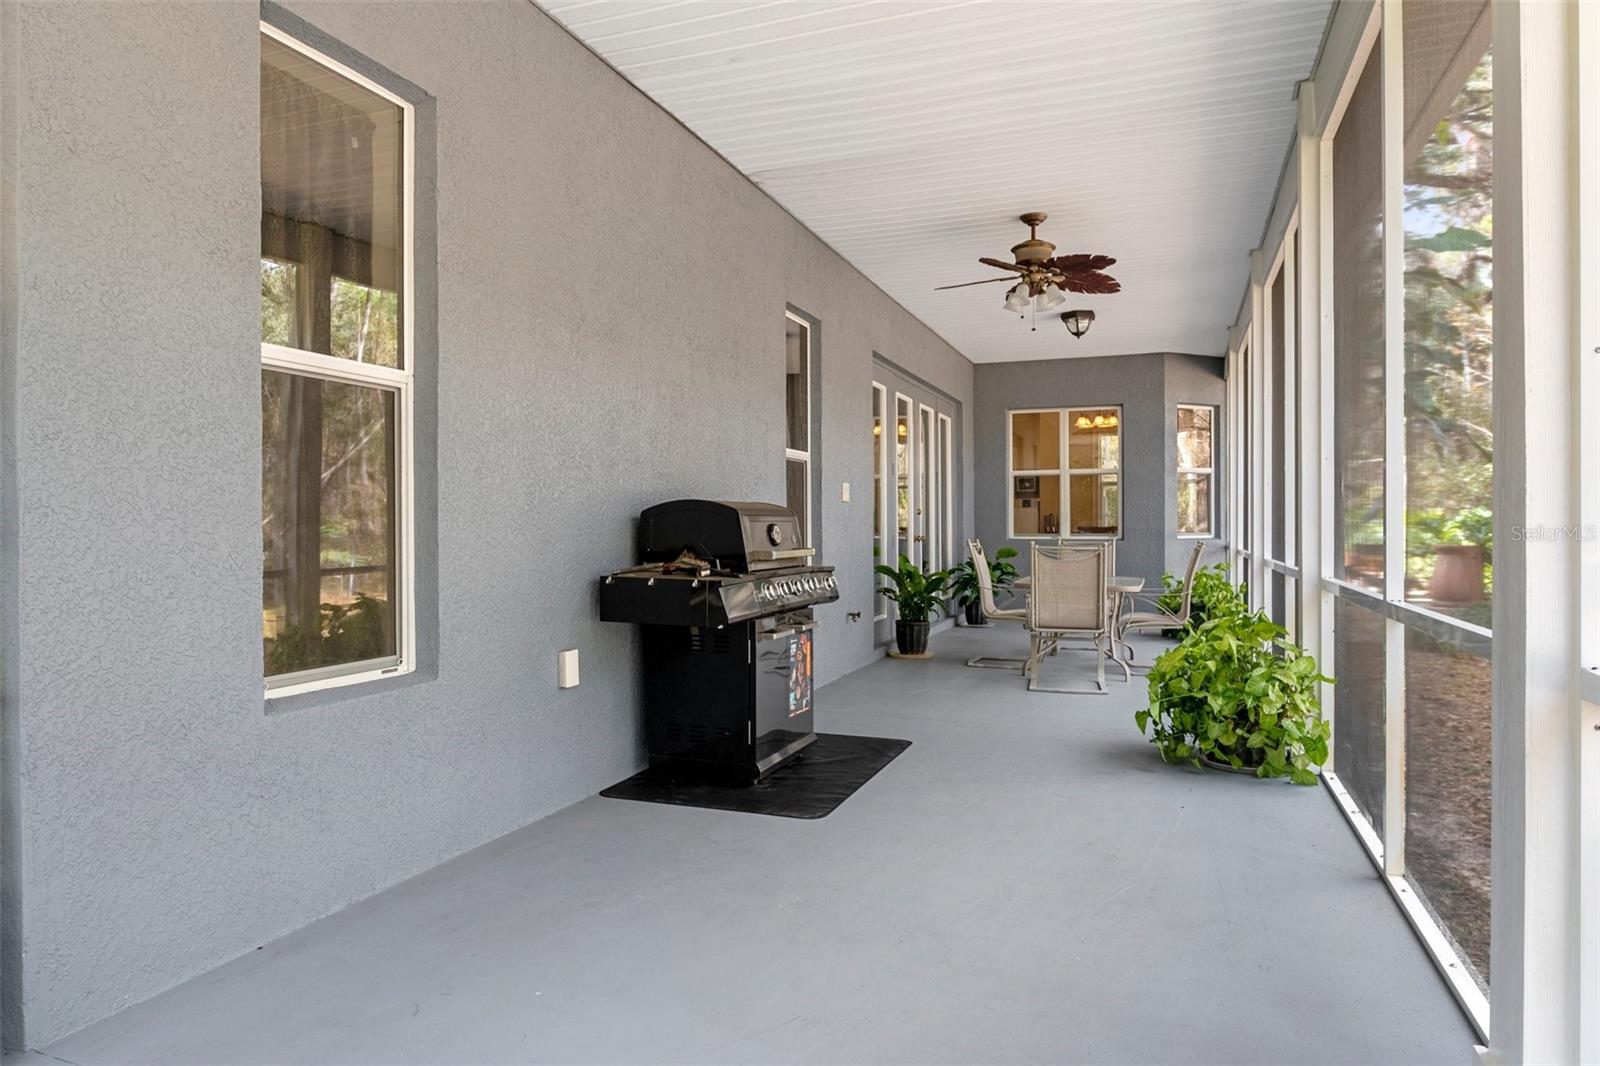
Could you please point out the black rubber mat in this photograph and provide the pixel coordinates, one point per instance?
(810, 785)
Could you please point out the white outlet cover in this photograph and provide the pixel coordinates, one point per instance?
(567, 668)
(844, 493)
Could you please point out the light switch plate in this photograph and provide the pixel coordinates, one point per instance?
(844, 493)
(567, 668)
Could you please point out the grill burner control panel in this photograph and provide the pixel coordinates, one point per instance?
(801, 589)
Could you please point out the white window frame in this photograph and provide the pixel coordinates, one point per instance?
(1210, 471)
(911, 478)
(1064, 471)
(928, 426)
(400, 383)
(881, 499)
(947, 483)
(800, 455)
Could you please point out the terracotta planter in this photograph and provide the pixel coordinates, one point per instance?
(1363, 560)
(1457, 574)
(911, 638)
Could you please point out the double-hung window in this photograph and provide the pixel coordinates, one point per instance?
(1065, 472)
(336, 373)
(1195, 471)
(797, 401)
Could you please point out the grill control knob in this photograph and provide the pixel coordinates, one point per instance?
(775, 534)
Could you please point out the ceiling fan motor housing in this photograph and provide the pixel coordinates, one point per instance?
(1032, 250)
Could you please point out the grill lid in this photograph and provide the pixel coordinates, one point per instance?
(731, 535)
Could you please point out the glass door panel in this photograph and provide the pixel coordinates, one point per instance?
(926, 540)
(902, 477)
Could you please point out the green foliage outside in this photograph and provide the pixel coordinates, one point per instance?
(1214, 595)
(1449, 330)
(963, 585)
(344, 633)
(1237, 692)
(918, 594)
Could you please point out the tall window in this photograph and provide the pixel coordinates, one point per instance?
(336, 373)
(1447, 211)
(1090, 502)
(880, 498)
(1196, 426)
(1360, 743)
(797, 399)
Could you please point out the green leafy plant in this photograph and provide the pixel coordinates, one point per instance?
(343, 633)
(919, 594)
(1237, 692)
(1214, 595)
(963, 586)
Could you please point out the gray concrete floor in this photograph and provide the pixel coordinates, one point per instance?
(1027, 883)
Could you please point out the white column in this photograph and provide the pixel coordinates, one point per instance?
(1538, 720)
(1257, 407)
(1394, 444)
(1316, 631)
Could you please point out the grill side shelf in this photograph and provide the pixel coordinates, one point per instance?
(661, 601)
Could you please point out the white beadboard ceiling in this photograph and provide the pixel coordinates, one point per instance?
(909, 134)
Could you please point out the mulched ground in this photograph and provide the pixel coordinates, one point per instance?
(1447, 766)
(1448, 790)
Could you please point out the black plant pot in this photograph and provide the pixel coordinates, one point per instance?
(975, 614)
(911, 638)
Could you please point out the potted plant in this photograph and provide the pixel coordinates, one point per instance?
(917, 595)
(1237, 695)
(964, 588)
(1460, 555)
(1213, 594)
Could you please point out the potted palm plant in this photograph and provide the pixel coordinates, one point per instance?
(917, 595)
(963, 587)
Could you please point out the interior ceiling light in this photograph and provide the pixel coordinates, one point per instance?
(1082, 422)
(1047, 277)
(1078, 322)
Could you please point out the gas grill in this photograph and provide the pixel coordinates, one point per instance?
(723, 595)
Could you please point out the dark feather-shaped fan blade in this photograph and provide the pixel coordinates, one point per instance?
(1090, 281)
(1067, 264)
(985, 281)
(1003, 265)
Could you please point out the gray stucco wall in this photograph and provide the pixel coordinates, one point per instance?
(1149, 389)
(166, 822)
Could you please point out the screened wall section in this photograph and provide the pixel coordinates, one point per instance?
(1363, 371)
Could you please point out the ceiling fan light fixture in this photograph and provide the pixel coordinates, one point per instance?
(1077, 322)
(1050, 297)
(1017, 298)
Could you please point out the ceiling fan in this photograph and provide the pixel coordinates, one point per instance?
(1045, 278)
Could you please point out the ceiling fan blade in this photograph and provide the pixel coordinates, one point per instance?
(964, 284)
(1003, 265)
(1066, 264)
(1090, 281)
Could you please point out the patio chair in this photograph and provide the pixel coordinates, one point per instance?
(992, 612)
(1155, 617)
(1068, 602)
